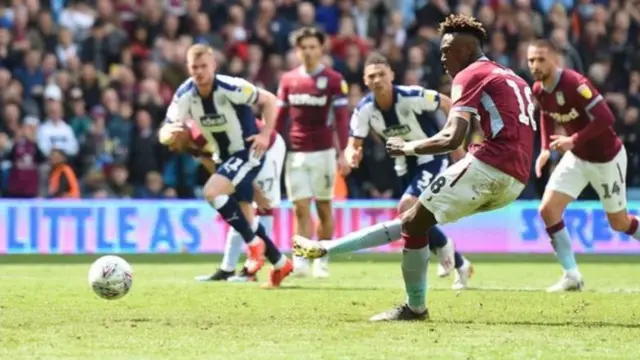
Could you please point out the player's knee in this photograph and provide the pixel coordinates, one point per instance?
(619, 221)
(550, 214)
(406, 203)
(302, 211)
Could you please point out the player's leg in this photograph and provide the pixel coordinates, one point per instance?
(609, 181)
(565, 185)
(235, 176)
(299, 192)
(323, 177)
(440, 245)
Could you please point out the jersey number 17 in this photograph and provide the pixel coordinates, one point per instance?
(524, 103)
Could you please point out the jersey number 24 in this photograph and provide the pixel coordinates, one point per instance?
(524, 103)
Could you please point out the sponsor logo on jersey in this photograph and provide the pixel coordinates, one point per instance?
(213, 120)
(585, 91)
(429, 96)
(322, 82)
(560, 98)
(565, 118)
(307, 100)
(344, 87)
(398, 130)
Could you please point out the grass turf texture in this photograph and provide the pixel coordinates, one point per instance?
(47, 311)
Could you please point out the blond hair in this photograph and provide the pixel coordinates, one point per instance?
(197, 50)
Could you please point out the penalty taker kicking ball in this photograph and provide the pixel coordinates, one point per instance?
(111, 277)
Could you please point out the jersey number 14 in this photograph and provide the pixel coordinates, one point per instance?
(524, 103)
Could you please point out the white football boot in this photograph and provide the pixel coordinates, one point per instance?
(321, 267)
(446, 258)
(301, 267)
(462, 275)
(570, 281)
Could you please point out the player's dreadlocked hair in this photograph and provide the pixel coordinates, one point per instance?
(465, 25)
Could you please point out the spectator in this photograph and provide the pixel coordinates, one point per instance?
(118, 182)
(153, 187)
(25, 157)
(145, 150)
(55, 133)
(63, 182)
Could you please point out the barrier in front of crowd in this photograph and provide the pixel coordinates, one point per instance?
(141, 226)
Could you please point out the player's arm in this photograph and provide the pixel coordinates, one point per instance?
(465, 100)
(358, 130)
(242, 92)
(598, 111)
(176, 114)
(341, 112)
(449, 139)
(208, 163)
(282, 105)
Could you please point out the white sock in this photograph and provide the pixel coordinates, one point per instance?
(232, 251)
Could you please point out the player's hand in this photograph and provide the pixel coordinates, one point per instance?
(260, 144)
(395, 146)
(343, 166)
(561, 143)
(541, 161)
(353, 156)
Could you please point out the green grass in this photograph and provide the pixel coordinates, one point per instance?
(47, 311)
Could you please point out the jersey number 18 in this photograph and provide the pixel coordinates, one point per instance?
(525, 104)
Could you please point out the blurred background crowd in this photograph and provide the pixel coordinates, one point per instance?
(84, 84)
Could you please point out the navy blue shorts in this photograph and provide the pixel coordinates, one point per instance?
(417, 179)
(241, 169)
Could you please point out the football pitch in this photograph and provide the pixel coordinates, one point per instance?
(48, 311)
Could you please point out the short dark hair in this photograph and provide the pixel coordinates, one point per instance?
(376, 59)
(463, 24)
(545, 43)
(307, 32)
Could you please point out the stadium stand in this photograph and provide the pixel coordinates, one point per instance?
(93, 78)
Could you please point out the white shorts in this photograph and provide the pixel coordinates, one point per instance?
(468, 187)
(311, 175)
(572, 175)
(269, 176)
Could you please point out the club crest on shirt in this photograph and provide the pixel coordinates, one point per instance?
(585, 91)
(344, 88)
(321, 82)
(560, 98)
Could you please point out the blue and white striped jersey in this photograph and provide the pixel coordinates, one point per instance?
(225, 117)
(410, 118)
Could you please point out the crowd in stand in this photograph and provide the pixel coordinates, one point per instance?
(84, 84)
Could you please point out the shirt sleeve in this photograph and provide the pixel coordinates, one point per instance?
(178, 110)
(421, 99)
(237, 90)
(596, 109)
(465, 93)
(359, 124)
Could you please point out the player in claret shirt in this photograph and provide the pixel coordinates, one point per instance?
(490, 176)
(406, 111)
(312, 96)
(593, 154)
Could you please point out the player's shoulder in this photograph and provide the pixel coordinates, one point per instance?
(331, 73)
(573, 81)
(409, 91)
(186, 89)
(230, 83)
(366, 104)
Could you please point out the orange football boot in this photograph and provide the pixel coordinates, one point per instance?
(255, 257)
(277, 275)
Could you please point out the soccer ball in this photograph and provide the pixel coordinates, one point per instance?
(110, 277)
